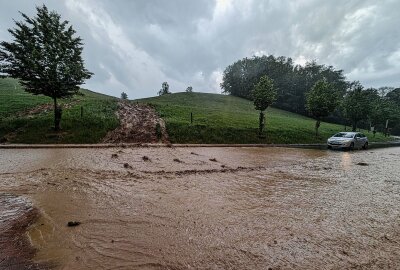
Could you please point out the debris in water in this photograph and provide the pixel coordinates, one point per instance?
(146, 158)
(127, 166)
(73, 223)
(177, 160)
(213, 159)
(193, 153)
(114, 156)
(362, 164)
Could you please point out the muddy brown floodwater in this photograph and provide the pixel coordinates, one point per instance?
(201, 208)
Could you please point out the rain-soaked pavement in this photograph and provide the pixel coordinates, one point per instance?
(200, 208)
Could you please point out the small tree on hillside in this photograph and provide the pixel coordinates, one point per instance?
(46, 57)
(264, 94)
(189, 89)
(164, 89)
(321, 100)
(356, 104)
(124, 95)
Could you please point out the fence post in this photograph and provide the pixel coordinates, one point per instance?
(191, 118)
(81, 111)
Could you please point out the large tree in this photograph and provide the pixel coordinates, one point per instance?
(321, 100)
(263, 94)
(45, 56)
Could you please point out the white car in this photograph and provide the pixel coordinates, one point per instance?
(348, 140)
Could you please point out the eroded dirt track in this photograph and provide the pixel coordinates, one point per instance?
(210, 208)
(138, 124)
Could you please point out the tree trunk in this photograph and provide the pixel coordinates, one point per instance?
(57, 115)
(261, 125)
(317, 125)
(354, 126)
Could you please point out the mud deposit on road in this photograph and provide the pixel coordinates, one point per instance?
(218, 208)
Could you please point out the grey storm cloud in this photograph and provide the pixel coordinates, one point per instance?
(134, 46)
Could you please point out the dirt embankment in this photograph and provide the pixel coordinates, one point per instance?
(139, 123)
(44, 108)
(16, 215)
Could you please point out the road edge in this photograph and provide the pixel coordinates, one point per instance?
(158, 145)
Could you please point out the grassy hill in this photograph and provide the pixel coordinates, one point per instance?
(19, 124)
(217, 119)
(227, 119)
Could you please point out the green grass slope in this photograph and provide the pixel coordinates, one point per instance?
(18, 127)
(227, 119)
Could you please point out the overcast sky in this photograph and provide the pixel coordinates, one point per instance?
(134, 46)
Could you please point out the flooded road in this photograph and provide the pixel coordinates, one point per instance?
(205, 208)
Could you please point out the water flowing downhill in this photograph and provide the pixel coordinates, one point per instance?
(202, 208)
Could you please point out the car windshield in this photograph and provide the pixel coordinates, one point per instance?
(343, 135)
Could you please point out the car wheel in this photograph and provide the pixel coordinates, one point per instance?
(351, 148)
(365, 147)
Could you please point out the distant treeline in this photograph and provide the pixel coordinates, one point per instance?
(292, 83)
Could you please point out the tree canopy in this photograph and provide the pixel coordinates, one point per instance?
(321, 100)
(164, 89)
(291, 81)
(394, 96)
(124, 95)
(264, 93)
(357, 104)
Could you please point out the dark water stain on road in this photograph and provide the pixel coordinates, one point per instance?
(249, 208)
